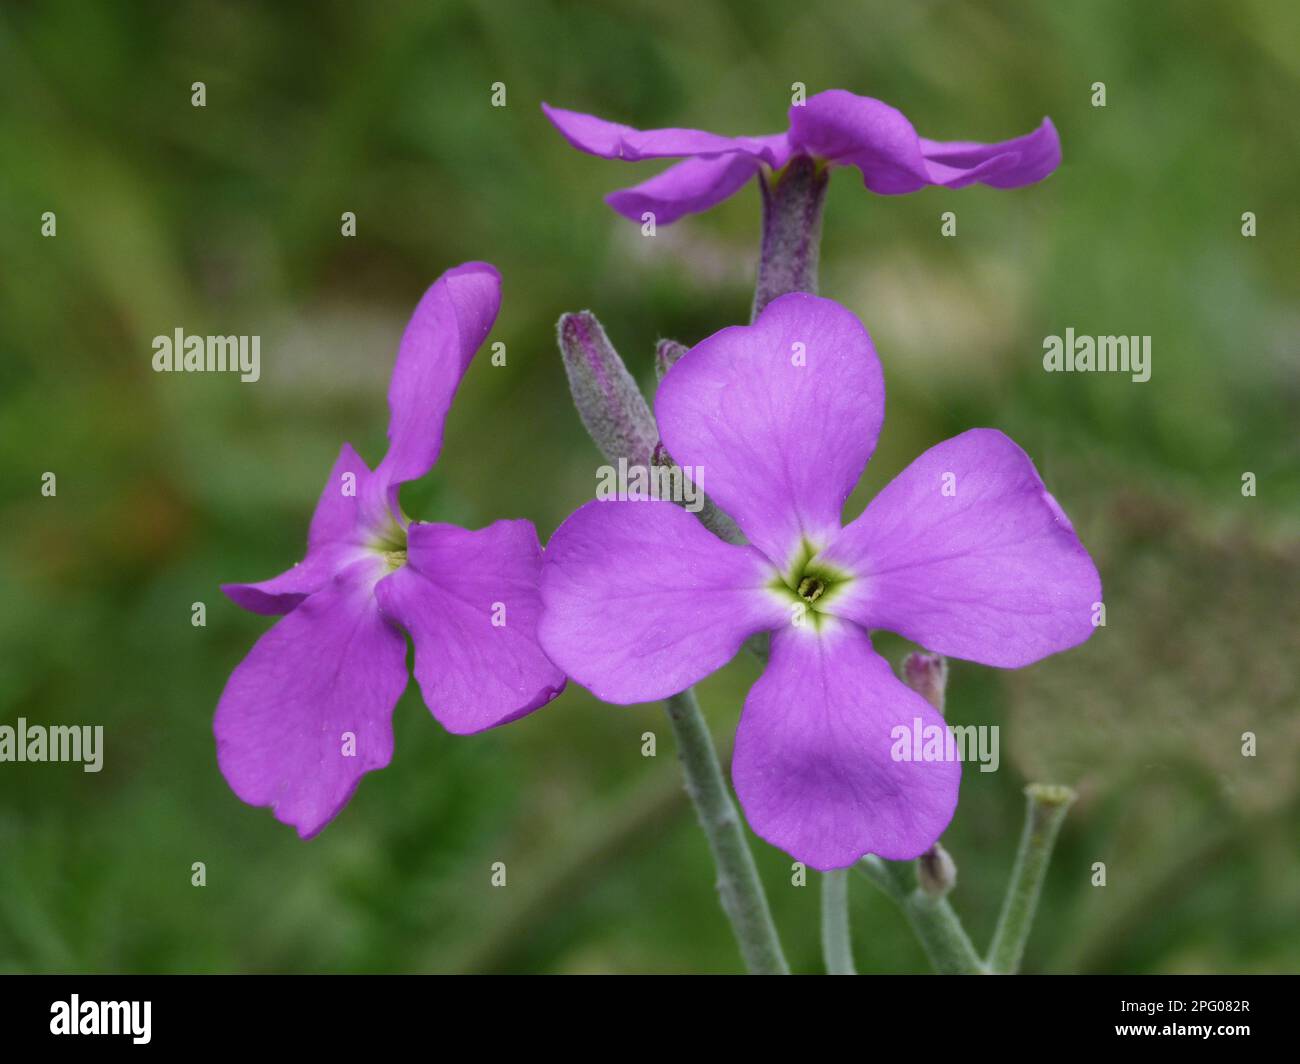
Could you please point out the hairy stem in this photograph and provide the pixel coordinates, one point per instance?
(619, 420)
(837, 948)
(1045, 809)
(739, 887)
(933, 920)
(792, 229)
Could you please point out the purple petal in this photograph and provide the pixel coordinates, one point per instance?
(335, 541)
(332, 666)
(282, 593)
(474, 673)
(611, 140)
(356, 506)
(641, 601)
(449, 325)
(966, 553)
(813, 765)
(684, 188)
(1008, 164)
(781, 416)
(851, 130)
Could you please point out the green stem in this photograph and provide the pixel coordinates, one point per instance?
(739, 887)
(1045, 809)
(942, 936)
(836, 944)
(933, 920)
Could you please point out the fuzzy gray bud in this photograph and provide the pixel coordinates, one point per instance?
(611, 406)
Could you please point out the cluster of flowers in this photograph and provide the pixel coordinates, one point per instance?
(965, 552)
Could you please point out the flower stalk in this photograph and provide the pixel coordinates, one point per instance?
(932, 919)
(1045, 809)
(793, 198)
(834, 128)
(837, 946)
(620, 423)
(739, 887)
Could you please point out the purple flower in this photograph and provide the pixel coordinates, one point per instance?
(309, 710)
(964, 552)
(836, 127)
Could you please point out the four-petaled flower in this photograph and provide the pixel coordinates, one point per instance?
(309, 710)
(965, 553)
(835, 127)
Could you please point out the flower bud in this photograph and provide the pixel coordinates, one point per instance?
(667, 352)
(936, 871)
(927, 675)
(611, 406)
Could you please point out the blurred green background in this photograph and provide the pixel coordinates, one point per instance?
(226, 220)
